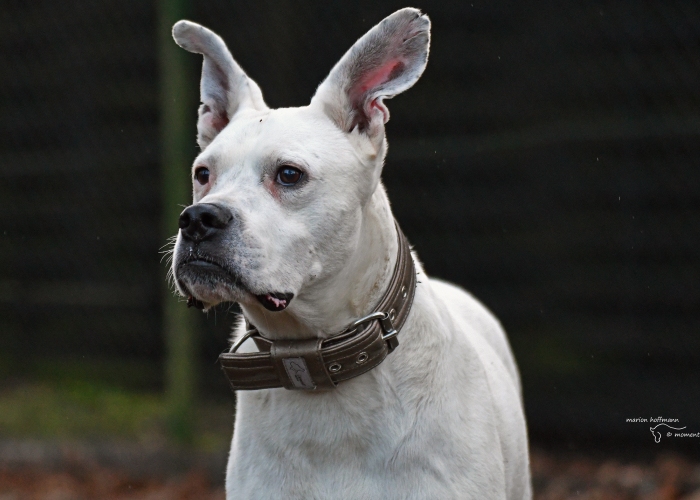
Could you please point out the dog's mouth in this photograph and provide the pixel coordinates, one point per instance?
(200, 271)
(203, 279)
(275, 301)
(202, 267)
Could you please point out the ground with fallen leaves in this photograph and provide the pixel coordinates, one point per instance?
(103, 484)
(556, 476)
(560, 476)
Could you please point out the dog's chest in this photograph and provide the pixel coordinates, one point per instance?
(354, 444)
(353, 419)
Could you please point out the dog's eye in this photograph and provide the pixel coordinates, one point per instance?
(202, 175)
(288, 176)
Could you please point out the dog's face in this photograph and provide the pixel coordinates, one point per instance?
(291, 187)
(279, 194)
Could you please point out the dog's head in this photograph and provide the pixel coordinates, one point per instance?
(279, 194)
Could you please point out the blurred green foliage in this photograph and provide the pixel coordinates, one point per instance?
(85, 410)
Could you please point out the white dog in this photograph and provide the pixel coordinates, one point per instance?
(290, 219)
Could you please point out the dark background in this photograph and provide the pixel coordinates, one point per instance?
(547, 161)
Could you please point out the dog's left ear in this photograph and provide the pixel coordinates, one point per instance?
(387, 60)
(225, 88)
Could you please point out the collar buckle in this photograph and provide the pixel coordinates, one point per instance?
(390, 334)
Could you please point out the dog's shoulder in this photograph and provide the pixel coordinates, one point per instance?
(472, 318)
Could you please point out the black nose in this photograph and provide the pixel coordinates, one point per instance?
(202, 221)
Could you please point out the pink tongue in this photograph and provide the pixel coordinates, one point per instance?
(278, 302)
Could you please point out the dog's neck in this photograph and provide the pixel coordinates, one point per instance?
(328, 305)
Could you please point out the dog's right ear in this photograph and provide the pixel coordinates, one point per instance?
(224, 88)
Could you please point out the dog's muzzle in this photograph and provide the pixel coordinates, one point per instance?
(202, 228)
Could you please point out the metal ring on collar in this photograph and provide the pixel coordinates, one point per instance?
(240, 341)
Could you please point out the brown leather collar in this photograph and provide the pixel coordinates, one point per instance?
(323, 363)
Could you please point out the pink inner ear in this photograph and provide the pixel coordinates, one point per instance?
(380, 75)
(215, 121)
(361, 93)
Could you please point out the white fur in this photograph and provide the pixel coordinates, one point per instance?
(442, 416)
